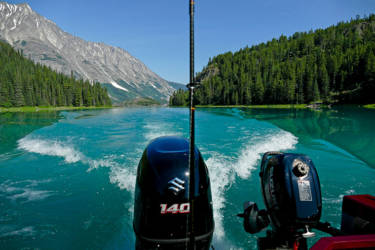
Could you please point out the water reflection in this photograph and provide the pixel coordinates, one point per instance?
(348, 127)
(14, 126)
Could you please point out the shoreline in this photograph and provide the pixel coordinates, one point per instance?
(275, 106)
(369, 106)
(48, 109)
(271, 106)
(27, 109)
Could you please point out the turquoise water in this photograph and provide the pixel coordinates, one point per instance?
(67, 179)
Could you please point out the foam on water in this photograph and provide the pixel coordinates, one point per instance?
(221, 176)
(251, 154)
(24, 191)
(123, 176)
(25, 231)
(223, 169)
(33, 195)
(337, 199)
(50, 147)
(155, 130)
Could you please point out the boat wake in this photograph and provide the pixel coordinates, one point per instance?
(224, 170)
(51, 148)
(155, 130)
(70, 155)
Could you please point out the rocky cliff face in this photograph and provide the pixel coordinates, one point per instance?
(44, 42)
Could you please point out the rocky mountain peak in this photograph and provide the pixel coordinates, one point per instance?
(11, 9)
(44, 42)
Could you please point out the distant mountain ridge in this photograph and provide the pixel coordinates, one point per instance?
(44, 42)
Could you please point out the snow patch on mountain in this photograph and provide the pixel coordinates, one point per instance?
(114, 84)
(45, 43)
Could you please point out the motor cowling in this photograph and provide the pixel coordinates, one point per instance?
(291, 191)
(161, 208)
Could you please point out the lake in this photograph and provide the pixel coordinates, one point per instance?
(67, 178)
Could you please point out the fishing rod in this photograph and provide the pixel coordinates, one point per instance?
(172, 201)
(192, 86)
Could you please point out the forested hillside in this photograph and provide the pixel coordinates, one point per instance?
(336, 64)
(23, 83)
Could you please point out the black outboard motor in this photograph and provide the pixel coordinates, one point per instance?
(161, 209)
(291, 192)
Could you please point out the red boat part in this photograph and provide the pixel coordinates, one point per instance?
(345, 242)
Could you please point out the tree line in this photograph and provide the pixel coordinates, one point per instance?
(24, 83)
(336, 64)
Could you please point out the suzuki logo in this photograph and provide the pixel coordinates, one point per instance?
(176, 185)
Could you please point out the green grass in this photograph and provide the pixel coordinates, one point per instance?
(369, 106)
(273, 106)
(46, 108)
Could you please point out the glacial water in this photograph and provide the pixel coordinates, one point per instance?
(67, 179)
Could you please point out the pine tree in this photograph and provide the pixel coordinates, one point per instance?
(18, 99)
(4, 93)
(325, 83)
(258, 90)
(23, 82)
(316, 93)
(306, 67)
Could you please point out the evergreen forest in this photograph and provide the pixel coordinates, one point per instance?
(332, 65)
(24, 83)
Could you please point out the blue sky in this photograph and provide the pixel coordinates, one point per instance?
(156, 31)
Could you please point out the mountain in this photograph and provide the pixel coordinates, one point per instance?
(44, 42)
(331, 65)
(24, 83)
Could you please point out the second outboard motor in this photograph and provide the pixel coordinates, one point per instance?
(161, 209)
(291, 192)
